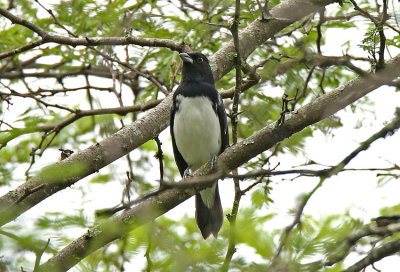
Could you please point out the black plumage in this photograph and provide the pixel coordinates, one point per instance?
(199, 133)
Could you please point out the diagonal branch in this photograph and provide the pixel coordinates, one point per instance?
(21, 49)
(156, 205)
(343, 248)
(375, 255)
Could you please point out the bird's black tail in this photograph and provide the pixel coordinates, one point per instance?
(210, 219)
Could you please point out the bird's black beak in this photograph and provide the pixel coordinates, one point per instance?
(186, 58)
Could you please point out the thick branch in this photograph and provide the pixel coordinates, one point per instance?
(233, 157)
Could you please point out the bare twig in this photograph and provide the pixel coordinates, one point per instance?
(39, 256)
(150, 77)
(304, 91)
(319, 32)
(149, 247)
(301, 172)
(235, 108)
(159, 155)
(30, 95)
(379, 27)
(364, 13)
(382, 37)
(55, 19)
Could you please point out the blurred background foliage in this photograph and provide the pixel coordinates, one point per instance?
(47, 84)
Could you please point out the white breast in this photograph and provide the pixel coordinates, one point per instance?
(197, 130)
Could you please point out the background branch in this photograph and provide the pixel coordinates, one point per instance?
(90, 41)
(325, 174)
(375, 255)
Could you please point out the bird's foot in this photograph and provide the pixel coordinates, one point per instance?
(187, 173)
(212, 161)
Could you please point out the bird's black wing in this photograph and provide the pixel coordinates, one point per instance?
(180, 162)
(223, 122)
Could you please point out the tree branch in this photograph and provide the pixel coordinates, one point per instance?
(12, 134)
(345, 246)
(21, 49)
(375, 255)
(156, 205)
(234, 121)
(48, 37)
(260, 31)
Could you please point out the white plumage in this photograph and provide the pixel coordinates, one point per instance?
(197, 135)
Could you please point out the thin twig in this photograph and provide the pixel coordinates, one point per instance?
(319, 32)
(149, 247)
(235, 108)
(159, 155)
(39, 255)
(382, 37)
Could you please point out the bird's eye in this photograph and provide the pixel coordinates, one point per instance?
(200, 60)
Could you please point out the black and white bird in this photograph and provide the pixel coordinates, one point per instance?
(199, 133)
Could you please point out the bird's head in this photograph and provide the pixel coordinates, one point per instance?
(196, 67)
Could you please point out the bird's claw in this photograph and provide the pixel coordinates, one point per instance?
(212, 161)
(187, 173)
